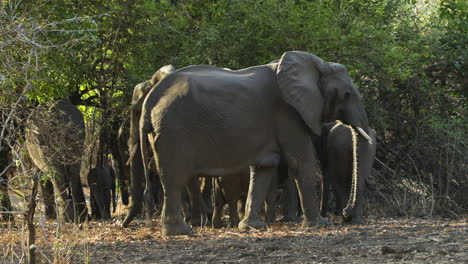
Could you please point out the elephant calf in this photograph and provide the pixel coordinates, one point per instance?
(233, 189)
(344, 173)
(101, 181)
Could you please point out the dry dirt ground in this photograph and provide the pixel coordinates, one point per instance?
(408, 240)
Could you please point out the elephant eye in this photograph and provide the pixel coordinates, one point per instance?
(347, 95)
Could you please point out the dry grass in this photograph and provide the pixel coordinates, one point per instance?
(411, 240)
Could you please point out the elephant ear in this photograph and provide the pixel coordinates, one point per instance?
(141, 90)
(298, 75)
(161, 74)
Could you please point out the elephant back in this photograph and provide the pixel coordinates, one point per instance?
(55, 135)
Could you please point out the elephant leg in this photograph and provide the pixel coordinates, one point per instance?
(149, 195)
(106, 204)
(325, 193)
(219, 203)
(80, 209)
(234, 219)
(260, 179)
(187, 213)
(241, 207)
(65, 203)
(364, 167)
(291, 202)
(122, 176)
(136, 188)
(157, 192)
(207, 189)
(306, 186)
(231, 189)
(270, 203)
(197, 205)
(5, 204)
(101, 203)
(47, 191)
(171, 217)
(95, 214)
(341, 192)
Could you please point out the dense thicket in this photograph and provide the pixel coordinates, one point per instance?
(408, 58)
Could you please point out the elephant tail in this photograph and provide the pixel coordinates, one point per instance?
(347, 212)
(147, 137)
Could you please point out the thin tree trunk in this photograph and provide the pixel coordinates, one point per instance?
(30, 221)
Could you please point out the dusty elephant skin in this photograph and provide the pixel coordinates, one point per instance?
(337, 160)
(137, 182)
(101, 181)
(55, 142)
(204, 120)
(138, 189)
(232, 190)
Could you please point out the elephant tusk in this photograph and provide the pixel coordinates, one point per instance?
(364, 134)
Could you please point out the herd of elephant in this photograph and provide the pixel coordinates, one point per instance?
(243, 132)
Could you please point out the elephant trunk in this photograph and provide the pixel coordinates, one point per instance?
(347, 212)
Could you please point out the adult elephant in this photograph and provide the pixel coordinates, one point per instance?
(204, 120)
(55, 141)
(5, 168)
(347, 161)
(135, 162)
(101, 182)
(119, 150)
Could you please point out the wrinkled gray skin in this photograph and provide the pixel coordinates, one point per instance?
(101, 182)
(204, 120)
(232, 190)
(120, 154)
(47, 191)
(338, 166)
(59, 154)
(198, 210)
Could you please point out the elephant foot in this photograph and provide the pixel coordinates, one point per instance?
(217, 223)
(347, 214)
(176, 229)
(200, 221)
(249, 223)
(289, 219)
(354, 220)
(319, 221)
(234, 223)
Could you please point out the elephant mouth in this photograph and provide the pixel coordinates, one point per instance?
(359, 129)
(364, 134)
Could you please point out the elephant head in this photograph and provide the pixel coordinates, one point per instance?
(142, 89)
(139, 94)
(320, 91)
(134, 161)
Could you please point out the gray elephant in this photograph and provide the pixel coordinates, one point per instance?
(345, 172)
(137, 181)
(196, 210)
(55, 141)
(204, 120)
(119, 150)
(101, 182)
(232, 190)
(5, 168)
